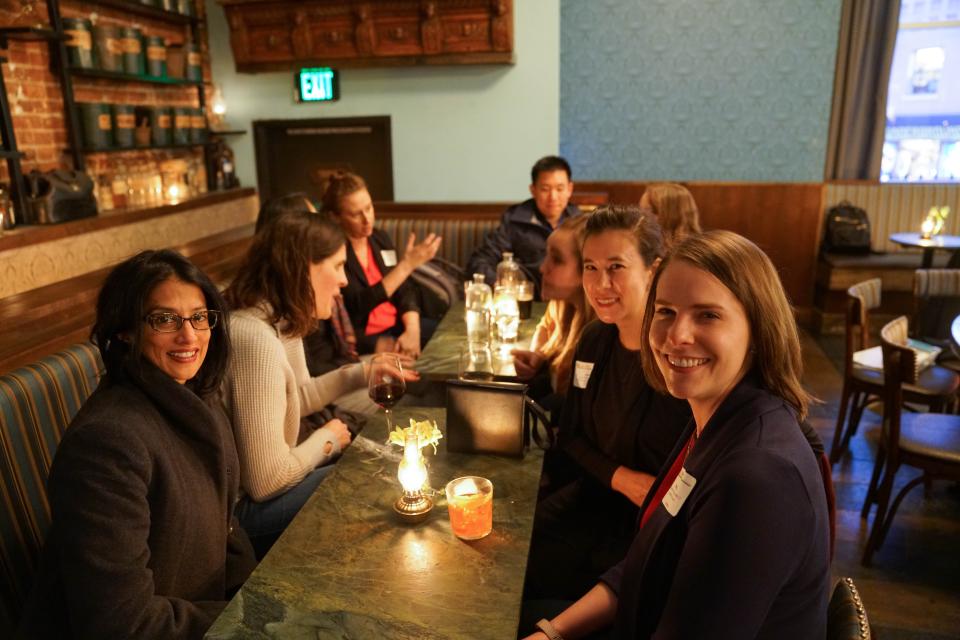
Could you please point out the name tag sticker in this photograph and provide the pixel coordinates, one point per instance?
(389, 257)
(679, 490)
(581, 374)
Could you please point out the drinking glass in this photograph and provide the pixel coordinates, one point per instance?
(470, 504)
(385, 384)
(476, 361)
(525, 299)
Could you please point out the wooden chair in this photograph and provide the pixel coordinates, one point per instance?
(936, 387)
(928, 441)
(936, 300)
(846, 615)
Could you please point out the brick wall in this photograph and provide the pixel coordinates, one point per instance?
(36, 99)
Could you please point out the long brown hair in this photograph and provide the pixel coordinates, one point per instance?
(675, 209)
(565, 320)
(276, 271)
(750, 276)
(340, 185)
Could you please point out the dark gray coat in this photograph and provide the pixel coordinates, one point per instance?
(143, 543)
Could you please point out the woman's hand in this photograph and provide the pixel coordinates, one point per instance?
(340, 433)
(527, 363)
(408, 343)
(633, 484)
(418, 254)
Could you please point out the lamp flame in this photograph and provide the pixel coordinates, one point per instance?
(412, 472)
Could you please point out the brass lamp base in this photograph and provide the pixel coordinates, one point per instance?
(413, 507)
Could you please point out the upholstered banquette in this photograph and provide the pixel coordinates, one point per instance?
(37, 403)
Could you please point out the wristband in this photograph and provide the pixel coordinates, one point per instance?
(545, 626)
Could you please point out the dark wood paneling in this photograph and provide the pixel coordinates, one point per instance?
(270, 35)
(782, 218)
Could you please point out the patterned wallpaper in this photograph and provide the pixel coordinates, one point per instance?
(731, 90)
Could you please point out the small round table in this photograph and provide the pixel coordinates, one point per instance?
(955, 333)
(947, 243)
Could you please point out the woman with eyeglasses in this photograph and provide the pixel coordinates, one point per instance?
(293, 269)
(143, 543)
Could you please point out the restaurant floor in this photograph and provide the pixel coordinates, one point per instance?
(912, 589)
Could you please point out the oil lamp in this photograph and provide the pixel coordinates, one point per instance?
(926, 228)
(413, 505)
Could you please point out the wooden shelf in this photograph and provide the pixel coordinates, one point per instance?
(126, 77)
(144, 10)
(191, 145)
(228, 132)
(26, 235)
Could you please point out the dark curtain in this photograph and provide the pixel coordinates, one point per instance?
(868, 33)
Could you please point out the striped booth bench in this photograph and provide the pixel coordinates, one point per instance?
(462, 230)
(37, 402)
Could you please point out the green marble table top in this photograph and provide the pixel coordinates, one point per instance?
(440, 358)
(346, 567)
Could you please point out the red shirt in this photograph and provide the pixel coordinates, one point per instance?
(384, 315)
(668, 480)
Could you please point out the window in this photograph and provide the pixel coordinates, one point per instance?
(922, 139)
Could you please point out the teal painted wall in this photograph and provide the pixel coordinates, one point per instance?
(463, 133)
(726, 90)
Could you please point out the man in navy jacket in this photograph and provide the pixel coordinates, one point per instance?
(524, 227)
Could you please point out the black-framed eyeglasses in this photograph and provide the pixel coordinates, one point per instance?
(165, 322)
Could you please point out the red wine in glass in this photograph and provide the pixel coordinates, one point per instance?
(386, 395)
(385, 385)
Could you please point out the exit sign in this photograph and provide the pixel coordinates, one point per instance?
(320, 84)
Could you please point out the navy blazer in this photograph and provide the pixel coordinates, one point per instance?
(360, 298)
(747, 554)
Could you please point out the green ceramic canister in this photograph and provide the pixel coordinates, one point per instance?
(156, 57)
(123, 125)
(108, 47)
(194, 64)
(134, 61)
(198, 129)
(169, 5)
(161, 124)
(182, 123)
(96, 124)
(79, 42)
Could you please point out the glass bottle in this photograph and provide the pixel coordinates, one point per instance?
(478, 303)
(508, 271)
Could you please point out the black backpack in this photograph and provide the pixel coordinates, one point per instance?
(846, 230)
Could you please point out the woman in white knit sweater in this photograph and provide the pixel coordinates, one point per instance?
(287, 282)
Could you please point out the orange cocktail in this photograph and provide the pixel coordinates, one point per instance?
(470, 502)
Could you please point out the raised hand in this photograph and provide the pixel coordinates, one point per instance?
(418, 254)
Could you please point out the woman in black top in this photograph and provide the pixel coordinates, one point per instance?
(614, 428)
(382, 302)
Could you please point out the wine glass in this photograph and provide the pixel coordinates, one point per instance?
(386, 385)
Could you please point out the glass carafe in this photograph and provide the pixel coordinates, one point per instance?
(508, 271)
(478, 305)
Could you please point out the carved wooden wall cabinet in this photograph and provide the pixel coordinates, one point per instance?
(270, 35)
